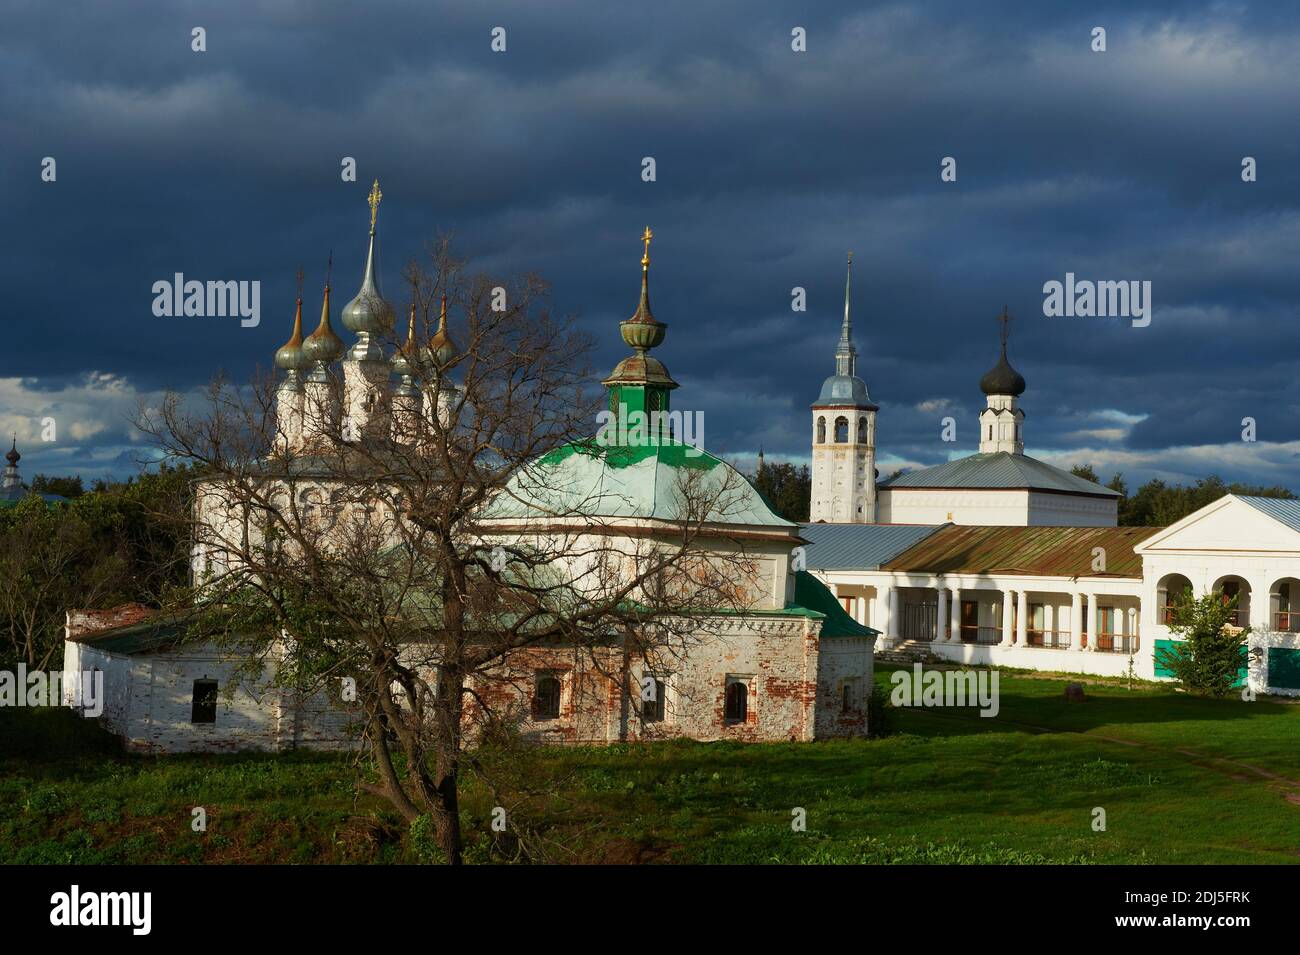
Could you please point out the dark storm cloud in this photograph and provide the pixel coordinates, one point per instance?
(1122, 165)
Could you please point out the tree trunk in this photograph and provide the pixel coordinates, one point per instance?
(447, 739)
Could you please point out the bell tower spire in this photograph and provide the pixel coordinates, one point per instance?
(846, 356)
(844, 435)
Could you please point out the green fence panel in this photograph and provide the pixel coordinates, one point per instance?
(1172, 647)
(1284, 668)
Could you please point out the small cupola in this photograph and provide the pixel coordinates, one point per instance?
(1002, 379)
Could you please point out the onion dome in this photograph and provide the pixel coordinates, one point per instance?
(642, 332)
(368, 314)
(1002, 379)
(12, 456)
(441, 350)
(290, 355)
(322, 345)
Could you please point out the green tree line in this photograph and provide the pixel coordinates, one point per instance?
(1158, 504)
(118, 543)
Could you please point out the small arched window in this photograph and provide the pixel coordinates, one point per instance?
(546, 697)
(737, 701)
(841, 430)
(862, 431)
(821, 430)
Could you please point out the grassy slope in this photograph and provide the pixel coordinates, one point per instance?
(951, 787)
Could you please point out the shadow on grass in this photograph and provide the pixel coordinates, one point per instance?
(1028, 702)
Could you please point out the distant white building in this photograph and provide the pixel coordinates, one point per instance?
(998, 558)
(1072, 599)
(1000, 485)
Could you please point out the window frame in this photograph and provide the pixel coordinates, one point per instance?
(659, 703)
(736, 680)
(545, 716)
(196, 702)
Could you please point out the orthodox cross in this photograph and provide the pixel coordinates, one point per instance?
(646, 237)
(373, 199)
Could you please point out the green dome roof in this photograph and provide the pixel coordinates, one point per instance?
(587, 480)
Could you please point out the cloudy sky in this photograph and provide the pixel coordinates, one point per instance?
(1122, 165)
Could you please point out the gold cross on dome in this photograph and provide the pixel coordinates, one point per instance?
(646, 237)
(373, 199)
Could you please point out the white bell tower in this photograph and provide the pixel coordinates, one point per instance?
(1002, 420)
(844, 438)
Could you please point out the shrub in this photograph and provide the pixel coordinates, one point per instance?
(1211, 653)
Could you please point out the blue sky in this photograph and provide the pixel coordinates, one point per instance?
(771, 164)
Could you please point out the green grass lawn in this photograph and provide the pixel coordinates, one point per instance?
(1181, 779)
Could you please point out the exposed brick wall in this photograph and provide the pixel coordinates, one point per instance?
(79, 623)
(794, 680)
(794, 688)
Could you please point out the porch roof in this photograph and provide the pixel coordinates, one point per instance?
(1038, 551)
(859, 546)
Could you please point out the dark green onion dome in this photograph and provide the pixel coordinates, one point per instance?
(322, 345)
(290, 356)
(1002, 379)
(642, 332)
(441, 350)
(12, 456)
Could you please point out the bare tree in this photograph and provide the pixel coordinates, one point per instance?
(435, 563)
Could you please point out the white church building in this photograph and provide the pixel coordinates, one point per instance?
(782, 661)
(1000, 559)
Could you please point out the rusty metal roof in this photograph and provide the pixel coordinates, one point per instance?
(1041, 551)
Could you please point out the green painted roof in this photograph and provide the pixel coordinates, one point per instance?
(811, 593)
(1001, 469)
(584, 479)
